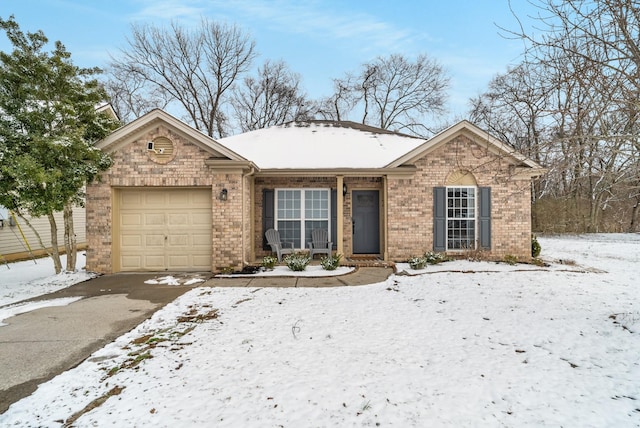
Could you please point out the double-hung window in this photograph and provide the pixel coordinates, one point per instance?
(299, 211)
(461, 218)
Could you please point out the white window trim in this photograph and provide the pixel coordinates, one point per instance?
(302, 218)
(447, 218)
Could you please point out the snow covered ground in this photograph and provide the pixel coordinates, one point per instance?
(461, 344)
(30, 278)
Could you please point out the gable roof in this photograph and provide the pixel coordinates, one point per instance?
(108, 109)
(316, 145)
(471, 131)
(321, 144)
(136, 129)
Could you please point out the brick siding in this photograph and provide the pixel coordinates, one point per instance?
(410, 215)
(133, 167)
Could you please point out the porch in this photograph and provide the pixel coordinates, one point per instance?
(350, 208)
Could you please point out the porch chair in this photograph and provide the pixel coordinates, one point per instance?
(277, 246)
(320, 243)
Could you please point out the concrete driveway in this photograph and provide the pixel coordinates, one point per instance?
(38, 345)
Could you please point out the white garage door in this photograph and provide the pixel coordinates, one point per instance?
(164, 229)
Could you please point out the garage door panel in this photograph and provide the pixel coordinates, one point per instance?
(154, 198)
(166, 229)
(179, 240)
(154, 262)
(201, 219)
(154, 241)
(202, 261)
(202, 199)
(180, 199)
(131, 198)
(178, 219)
(131, 220)
(201, 241)
(131, 240)
(179, 261)
(153, 219)
(130, 262)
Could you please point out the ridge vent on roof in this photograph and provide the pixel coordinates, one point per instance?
(347, 124)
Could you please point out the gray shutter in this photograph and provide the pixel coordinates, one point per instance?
(334, 218)
(484, 218)
(439, 219)
(268, 213)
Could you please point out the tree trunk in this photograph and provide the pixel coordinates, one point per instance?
(595, 210)
(70, 243)
(634, 214)
(55, 254)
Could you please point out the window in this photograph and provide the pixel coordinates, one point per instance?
(299, 211)
(461, 218)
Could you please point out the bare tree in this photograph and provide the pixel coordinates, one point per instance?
(340, 103)
(194, 68)
(271, 98)
(391, 93)
(605, 33)
(575, 98)
(514, 109)
(131, 97)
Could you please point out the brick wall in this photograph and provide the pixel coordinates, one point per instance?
(133, 166)
(410, 201)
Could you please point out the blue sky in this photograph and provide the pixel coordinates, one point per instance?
(319, 39)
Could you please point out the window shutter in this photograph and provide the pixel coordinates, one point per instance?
(439, 218)
(267, 215)
(484, 219)
(334, 218)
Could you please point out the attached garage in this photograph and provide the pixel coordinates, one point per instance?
(162, 229)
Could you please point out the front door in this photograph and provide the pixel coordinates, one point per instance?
(366, 222)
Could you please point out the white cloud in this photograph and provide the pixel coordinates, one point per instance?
(169, 10)
(317, 21)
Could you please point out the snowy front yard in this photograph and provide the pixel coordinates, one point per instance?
(487, 345)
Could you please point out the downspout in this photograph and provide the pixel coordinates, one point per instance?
(340, 215)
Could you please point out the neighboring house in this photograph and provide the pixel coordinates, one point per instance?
(177, 200)
(18, 241)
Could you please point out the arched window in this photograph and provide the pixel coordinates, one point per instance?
(461, 177)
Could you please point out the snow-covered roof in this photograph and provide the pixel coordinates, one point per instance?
(318, 145)
(321, 145)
